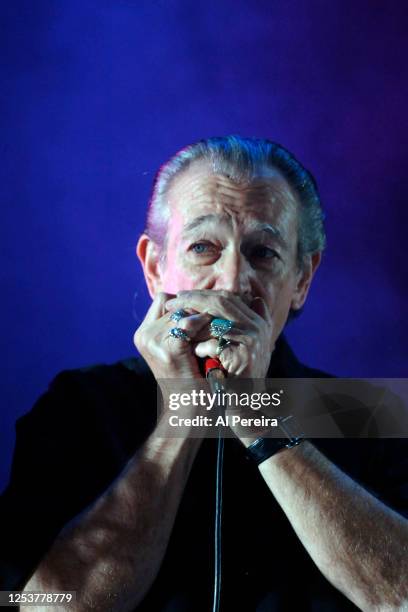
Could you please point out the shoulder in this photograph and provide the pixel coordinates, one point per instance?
(103, 408)
(100, 384)
(120, 377)
(84, 428)
(69, 448)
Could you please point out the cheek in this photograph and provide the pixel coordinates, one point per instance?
(177, 277)
(176, 281)
(279, 297)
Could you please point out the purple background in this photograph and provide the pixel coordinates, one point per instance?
(95, 95)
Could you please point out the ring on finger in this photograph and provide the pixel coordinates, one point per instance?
(177, 315)
(180, 334)
(222, 344)
(219, 327)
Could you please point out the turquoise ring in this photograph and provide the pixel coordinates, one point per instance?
(180, 334)
(219, 327)
(177, 315)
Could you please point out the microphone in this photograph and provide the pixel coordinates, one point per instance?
(215, 373)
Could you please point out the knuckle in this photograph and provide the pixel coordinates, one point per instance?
(250, 341)
(151, 345)
(138, 338)
(189, 324)
(166, 357)
(185, 324)
(188, 328)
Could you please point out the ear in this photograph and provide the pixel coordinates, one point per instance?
(306, 274)
(148, 254)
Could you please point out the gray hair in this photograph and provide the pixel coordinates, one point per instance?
(242, 160)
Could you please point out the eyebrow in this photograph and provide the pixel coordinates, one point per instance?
(199, 221)
(273, 231)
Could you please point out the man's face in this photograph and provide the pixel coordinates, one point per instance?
(239, 238)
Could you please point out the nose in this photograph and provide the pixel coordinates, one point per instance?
(235, 274)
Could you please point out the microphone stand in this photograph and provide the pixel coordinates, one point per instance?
(216, 375)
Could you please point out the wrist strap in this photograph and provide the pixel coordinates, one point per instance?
(263, 448)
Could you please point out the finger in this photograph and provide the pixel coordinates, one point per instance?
(208, 293)
(230, 357)
(240, 302)
(206, 349)
(244, 306)
(198, 327)
(157, 307)
(209, 349)
(213, 304)
(192, 325)
(175, 346)
(234, 357)
(196, 323)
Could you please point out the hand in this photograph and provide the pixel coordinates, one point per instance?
(249, 354)
(170, 357)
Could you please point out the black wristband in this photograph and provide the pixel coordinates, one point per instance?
(263, 448)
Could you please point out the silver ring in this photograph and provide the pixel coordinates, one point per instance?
(219, 327)
(222, 344)
(180, 334)
(177, 315)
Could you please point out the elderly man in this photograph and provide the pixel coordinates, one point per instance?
(105, 501)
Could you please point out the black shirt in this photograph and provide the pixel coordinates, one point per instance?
(78, 438)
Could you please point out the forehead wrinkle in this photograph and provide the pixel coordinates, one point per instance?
(199, 183)
(205, 220)
(257, 188)
(269, 192)
(257, 195)
(199, 188)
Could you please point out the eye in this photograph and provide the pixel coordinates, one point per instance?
(264, 252)
(202, 248)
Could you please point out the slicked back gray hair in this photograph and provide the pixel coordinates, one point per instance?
(242, 160)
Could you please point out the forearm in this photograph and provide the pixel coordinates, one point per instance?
(110, 555)
(360, 545)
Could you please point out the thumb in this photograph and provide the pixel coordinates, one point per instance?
(157, 309)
